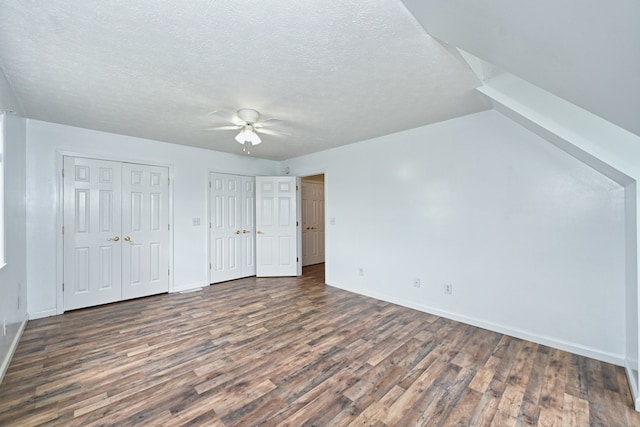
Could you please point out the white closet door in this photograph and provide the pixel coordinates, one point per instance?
(145, 230)
(225, 230)
(277, 226)
(248, 220)
(92, 240)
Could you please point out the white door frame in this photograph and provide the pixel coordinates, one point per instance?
(59, 202)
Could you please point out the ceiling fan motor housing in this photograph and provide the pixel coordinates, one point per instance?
(248, 115)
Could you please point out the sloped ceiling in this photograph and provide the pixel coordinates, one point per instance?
(584, 51)
(335, 72)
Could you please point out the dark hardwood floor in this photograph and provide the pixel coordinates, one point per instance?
(291, 351)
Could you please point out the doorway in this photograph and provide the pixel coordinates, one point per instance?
(313, 229)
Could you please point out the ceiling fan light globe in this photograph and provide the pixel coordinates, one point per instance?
(248, 135)
(244, 135)
(240, 137)
(255, 139)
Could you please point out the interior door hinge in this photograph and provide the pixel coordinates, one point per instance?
(63, 172)
(209, 184)
(168, 226)
(296, 188)
(168, 181)
(209, 266)
(297, 259)
(169, 272)
(296, 223)
(63, 229)
(62, 287)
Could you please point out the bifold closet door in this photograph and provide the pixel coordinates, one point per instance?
(92, 241)
(225, 227)
(248, 221)
(231, 227)
(116, 231)
(145, 230)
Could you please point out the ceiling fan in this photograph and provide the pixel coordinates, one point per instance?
(249, 123)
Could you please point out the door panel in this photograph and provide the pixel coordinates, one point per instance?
(277, 226)
(145, 230)
(91, 206)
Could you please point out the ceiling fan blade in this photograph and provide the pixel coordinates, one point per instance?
(260, 122)
(271, 132)
(230, 127)
(227, 116)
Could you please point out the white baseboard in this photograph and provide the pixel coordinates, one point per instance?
(633, 383)
(12, 349)
(616, 359)
(41, 314)
(182, 288)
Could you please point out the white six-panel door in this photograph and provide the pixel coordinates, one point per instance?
(277, 226)
(116, 218)
(312, 223)
(225, 197)
(92, 243)
(145, 233)
(248, 221)
(231, 226)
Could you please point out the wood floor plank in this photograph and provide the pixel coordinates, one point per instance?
(293, 351)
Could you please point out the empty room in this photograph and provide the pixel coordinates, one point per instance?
(385, 213)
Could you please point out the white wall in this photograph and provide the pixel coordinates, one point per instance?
(531, 239)
(13, 276)
(190, 166)
(598, 143)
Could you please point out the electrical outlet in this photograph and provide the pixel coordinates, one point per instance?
(448, 288)
(416, 282)
(361, 271)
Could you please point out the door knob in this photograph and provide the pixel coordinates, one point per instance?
(115, 238)
(245, 231)
(127, 239)
(237, 231)
(259, 232)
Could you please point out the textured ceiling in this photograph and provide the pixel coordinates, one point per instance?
(335, 72)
